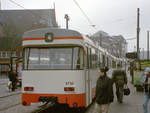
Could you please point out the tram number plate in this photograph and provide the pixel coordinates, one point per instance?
(69, 83)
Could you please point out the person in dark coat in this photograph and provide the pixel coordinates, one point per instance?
(120, 79)
(104, 91)
(13, 78)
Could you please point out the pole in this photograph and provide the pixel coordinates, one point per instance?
(143, 54)
(67, 19)
(147, 45)
(138, 31)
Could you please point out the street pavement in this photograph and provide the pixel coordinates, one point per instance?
(131, 104)
(12, 102)
(4, 90)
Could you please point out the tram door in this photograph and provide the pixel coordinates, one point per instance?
(87, 76)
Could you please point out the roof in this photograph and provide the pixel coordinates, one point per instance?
(119, 38)
(13, 23)
(57, 32)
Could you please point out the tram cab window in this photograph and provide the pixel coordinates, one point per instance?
(53, 58)
(78, 58)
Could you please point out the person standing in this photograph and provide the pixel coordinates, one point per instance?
(13, 78)
(146, 86)
(104, 91)
(120, 79)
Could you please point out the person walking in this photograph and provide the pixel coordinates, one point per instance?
(13, 78)
(120, 79)
(146, 86)
(104, 91)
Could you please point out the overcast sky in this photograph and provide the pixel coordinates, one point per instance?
(116, 17)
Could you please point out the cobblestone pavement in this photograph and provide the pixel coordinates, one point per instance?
(12, 102)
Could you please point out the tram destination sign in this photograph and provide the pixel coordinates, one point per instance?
(49, 37)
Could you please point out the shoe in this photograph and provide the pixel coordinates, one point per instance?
(120, 101)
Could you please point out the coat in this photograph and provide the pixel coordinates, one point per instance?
(118, 75)
(104, 90)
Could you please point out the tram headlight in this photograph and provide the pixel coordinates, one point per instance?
(49, 37)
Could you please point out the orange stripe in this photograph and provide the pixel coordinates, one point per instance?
(62, 98)
(42, 38)
(25, 39)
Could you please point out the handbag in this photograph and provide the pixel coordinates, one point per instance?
(126, 90)
(9, 85)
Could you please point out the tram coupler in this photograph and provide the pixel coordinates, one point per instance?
(48, 99)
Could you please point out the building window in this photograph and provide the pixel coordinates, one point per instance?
(13, 54)
(8, 54)
(3, 54)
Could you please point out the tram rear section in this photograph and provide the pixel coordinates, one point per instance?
(61, 64)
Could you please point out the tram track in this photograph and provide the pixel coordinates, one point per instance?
(58, 108)
(1, 97)
(9, 101)
(10, 106)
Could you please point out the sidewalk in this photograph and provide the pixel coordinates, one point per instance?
(4, 91)
(131, 104)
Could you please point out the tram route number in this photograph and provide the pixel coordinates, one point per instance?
(69, 83)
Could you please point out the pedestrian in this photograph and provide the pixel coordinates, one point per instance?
(13, 78)
(104, 91)
(146, 86)
(120, 79)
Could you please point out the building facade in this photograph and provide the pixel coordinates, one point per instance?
(13, 23)
(116, 45)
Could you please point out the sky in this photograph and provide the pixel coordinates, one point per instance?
(116, 17)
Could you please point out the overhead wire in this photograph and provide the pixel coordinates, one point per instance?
(85, 15)
(88, 19)
(131, 39)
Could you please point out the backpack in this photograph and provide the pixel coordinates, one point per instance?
(119, 80)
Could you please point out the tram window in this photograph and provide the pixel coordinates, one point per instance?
(93, 58)
(77, 58)
(53, 58)
(60, 58)
(33, 59)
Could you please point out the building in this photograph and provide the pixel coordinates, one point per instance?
(121, 45)
(13, 23)
(116, 45)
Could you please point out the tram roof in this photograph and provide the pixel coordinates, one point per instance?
(57, 32)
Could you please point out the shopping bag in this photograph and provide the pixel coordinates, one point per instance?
(126, 90)
(9, 85)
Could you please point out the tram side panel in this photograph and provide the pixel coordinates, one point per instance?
(91, 63)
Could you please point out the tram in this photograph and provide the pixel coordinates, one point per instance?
(61, 64)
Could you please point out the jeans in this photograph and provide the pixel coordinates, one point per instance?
(146, 100)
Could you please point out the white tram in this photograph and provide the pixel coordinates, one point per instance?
(62, 64)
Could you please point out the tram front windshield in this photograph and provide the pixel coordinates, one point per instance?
(53, 58)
